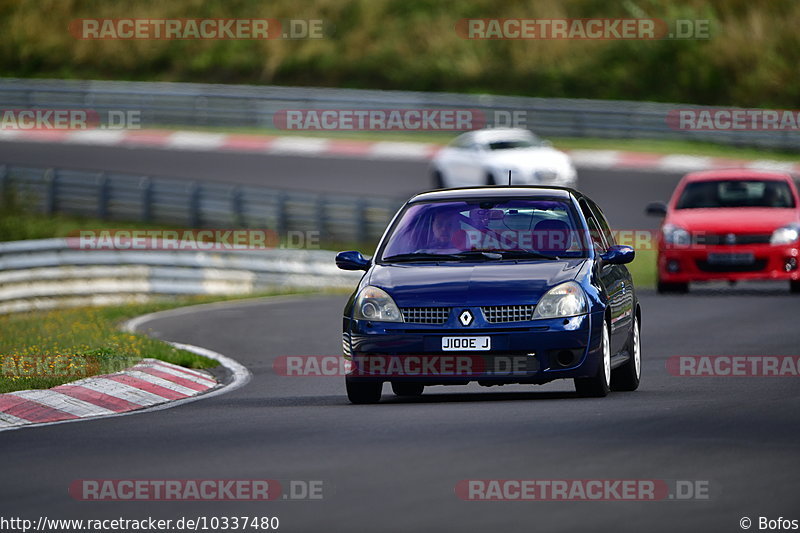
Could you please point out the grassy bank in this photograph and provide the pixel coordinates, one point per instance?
(643, 269)
(44, 349)
(749, 58)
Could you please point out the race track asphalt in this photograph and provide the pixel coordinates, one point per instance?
(394, 466)
(622, 193)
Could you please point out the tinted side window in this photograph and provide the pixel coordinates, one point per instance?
(601, 220)
(595, 232)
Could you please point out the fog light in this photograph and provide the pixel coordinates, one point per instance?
(673, 265)
(565, 358)
(791, 264)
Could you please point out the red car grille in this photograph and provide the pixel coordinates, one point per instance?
(755, 266)
(730, 239)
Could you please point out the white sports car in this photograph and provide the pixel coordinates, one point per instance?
(484, 157)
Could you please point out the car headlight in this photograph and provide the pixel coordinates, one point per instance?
(785, 235)
(676, 235)
(374, 304)
(547, 175)
(567, 299)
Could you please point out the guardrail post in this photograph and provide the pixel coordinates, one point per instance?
(580, 125)
(322, 218)
(50, 191)
(362, 230)
(146, 213)
(283, 217)
(194, 206)
(103, 196)
(237, 206)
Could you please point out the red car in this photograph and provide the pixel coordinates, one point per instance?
(729, 225)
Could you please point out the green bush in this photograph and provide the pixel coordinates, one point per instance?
(750, 59)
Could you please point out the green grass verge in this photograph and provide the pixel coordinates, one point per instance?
(17, 225)
(643, 269)
(40, 350)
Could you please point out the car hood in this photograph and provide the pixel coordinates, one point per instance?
(472, 284)
(528, 158)
(733, 219)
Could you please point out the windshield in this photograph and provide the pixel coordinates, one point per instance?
(736, 193)
(516, 228)
(509, 144)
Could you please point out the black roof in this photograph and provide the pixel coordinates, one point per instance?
(521, 191)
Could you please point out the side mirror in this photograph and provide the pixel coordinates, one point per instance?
(656, 209)
(351, 261)
(619, 255)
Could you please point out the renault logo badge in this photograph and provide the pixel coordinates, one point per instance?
(465, 318)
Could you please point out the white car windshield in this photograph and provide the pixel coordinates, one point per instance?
(511, 144)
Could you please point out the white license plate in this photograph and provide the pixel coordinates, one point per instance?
(731, 258)
(453, 344)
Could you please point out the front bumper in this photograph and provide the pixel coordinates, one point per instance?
(681, 265)
(535, 351)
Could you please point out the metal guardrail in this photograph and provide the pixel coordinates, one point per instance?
(49, 273)
(117, 196)
(182, 104)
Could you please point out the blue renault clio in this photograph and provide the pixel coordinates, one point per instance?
(494, 285)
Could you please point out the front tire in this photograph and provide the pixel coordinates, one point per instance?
(599, 385)
(627, 376)
(363, 392)
(407, 389)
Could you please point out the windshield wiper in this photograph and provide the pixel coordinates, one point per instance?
(422, 256)
(522, 254)
(491, 254)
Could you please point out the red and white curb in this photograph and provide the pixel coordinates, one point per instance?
(200, 141)
(147, 386)
(390, 150)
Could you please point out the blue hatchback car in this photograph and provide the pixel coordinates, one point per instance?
(494, 285)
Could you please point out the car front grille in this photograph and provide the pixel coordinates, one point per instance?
(730, 239)
(346, 344)
(705, 266)
(425, 315)
(499, 314)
